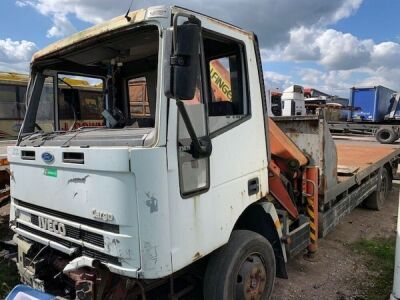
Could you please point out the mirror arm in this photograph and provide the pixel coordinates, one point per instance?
(200, 148)
(190, 17)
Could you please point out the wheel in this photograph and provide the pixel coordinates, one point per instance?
(377, 198)
(397, 136)
(243, 269)
(386, 135)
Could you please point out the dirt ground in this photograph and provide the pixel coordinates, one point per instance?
(338, 272)
(4, 216)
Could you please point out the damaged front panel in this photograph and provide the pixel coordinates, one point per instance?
(86, 209)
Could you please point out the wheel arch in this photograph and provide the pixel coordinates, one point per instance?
(262, 218)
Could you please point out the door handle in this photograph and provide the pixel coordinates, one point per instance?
(253, 186)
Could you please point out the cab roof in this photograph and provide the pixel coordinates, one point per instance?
(120, 22)
(99, 29)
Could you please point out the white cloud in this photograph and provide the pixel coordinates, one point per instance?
(15, 55)
(343, 51)
(21, 3)
(345, 10)
(332, 49)
(332, 82)
(389, 77)
(302, 45)
(341, 55)
(274, 80)
(386, 54)
(16, 50)
(61, 26)
(270, 19)
(311, 77)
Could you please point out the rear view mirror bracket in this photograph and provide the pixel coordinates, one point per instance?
(199, 147)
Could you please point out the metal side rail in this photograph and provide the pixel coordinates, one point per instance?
(353, 197)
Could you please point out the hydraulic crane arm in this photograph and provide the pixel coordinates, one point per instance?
(286, 157)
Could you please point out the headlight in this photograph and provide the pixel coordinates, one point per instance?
(22, 215)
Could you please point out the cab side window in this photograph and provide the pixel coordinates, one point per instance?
(228, 99)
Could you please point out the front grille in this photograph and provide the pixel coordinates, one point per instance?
(84, 251)
(92, 223)
(100, 256)
(78, 234)
(45, 235)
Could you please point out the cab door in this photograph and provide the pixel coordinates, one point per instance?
(208, 195)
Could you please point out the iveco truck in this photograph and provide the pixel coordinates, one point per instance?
(194, 188)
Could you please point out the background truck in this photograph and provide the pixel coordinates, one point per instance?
(377, 113)
(292, 101)
(202, 190)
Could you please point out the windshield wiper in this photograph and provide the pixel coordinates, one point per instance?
(27, 136)
(77, 131)
(40, 134)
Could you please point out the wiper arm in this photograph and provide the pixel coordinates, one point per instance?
(51, 135)
(27, 136)
(40, 134)
(79, 131)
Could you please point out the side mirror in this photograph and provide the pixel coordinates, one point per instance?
(185, 59)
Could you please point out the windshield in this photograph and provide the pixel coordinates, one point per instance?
(107, 87)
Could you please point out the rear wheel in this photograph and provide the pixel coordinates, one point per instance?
(377, 198)
(386, 135)
(243, 269)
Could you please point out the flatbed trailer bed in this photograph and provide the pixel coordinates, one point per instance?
(349, 172)
(365, 164)
(360, 157)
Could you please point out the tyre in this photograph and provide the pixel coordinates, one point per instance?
(386, 135)
(397, 136)
(377, 198)
(242, 269)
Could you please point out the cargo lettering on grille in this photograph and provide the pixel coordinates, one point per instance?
(52, 226)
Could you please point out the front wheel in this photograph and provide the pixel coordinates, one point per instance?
(243, 269)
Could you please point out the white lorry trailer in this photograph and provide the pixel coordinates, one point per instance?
(122, 210)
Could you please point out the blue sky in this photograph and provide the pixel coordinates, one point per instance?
(330, 45)
(376, 19)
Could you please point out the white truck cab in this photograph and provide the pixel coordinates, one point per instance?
(143, 197)
(147, 166)
(293, 102)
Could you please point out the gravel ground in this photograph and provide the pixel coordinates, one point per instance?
(338, 272)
